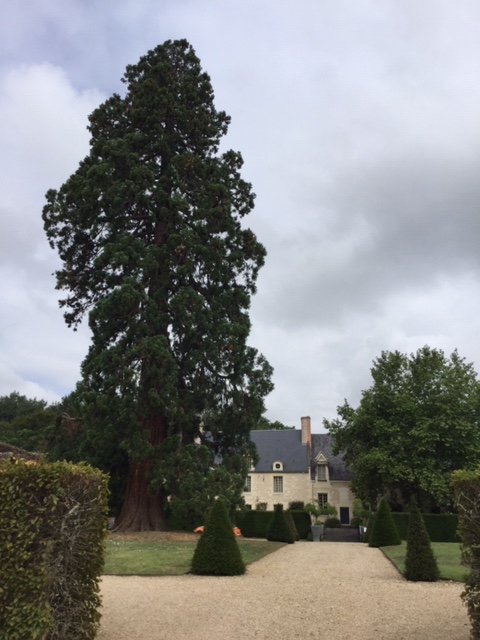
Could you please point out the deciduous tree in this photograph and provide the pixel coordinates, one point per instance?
(419, 421)
(15, 405)
(149, 229)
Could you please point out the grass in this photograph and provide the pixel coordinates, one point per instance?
(448, 557)
(168, 557)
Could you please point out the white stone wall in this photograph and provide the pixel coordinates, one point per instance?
(296, 486)
(338, 491)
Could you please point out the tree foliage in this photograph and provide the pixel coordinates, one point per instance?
(150, 232)
(419, 421)
(24, 422)
(15, 405)
(264, 424)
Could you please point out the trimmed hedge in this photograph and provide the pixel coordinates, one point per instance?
(217, 552)
(302, 523)
(420, 561)
(296, 505)
(254, 524)
(332, 523)
(384, 532)
(441, 527)
(53, 523)
(291, 524)
(370, 525)
(279, 529)
(466, 485)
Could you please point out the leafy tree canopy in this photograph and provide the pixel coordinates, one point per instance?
(155, 251)
(419, 421)
(264, 424)
(16, 405)
(24, 422)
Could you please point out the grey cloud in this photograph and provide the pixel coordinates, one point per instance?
(359, 128)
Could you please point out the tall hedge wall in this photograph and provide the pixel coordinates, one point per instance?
(254, 524)
(467, 492)
(53, 522)
(440, 527)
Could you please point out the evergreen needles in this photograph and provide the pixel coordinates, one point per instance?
(279, 529)
(384, 532)
(420, 562)
(217, 552)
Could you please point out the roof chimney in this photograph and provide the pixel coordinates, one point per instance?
(306, 430)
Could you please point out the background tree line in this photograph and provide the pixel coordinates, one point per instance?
(58, 431)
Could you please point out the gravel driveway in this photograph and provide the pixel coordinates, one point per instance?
(333, 590)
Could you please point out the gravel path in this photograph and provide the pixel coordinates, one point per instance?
(333, 590)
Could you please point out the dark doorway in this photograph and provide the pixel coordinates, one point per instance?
(344, 515)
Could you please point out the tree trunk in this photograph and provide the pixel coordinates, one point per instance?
(141, 510)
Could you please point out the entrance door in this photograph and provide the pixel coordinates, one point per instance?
(344, 515)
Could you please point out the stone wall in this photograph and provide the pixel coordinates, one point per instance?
(296, 486)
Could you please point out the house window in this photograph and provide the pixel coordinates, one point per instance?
(322, 499)
(248, 484)
(322, 472)
(278, 484)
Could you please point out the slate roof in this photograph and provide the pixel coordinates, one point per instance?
(323, 443)
(286, 446)
(278, 445)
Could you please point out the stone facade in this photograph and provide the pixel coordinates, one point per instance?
(295, 465)
(264, 491)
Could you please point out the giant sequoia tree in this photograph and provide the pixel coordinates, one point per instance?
(418, 422)
(149, 229)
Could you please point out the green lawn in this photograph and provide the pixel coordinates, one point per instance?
(448, 559)
(168, 557)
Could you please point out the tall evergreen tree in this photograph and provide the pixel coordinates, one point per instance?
(149, 229)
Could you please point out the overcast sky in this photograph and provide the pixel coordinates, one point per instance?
(359, 125)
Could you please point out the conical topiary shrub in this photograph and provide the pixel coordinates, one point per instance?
(370, 523)
(384, 532)
(279, 530)
(420, 562)
(217, 552)
(291, 524)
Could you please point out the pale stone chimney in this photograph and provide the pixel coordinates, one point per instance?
(306, 430)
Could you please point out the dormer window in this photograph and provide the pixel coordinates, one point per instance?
(321, 468)
(322, 473)
(277, 466)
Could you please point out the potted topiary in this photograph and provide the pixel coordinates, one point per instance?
(361, 517)
(318, 515)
